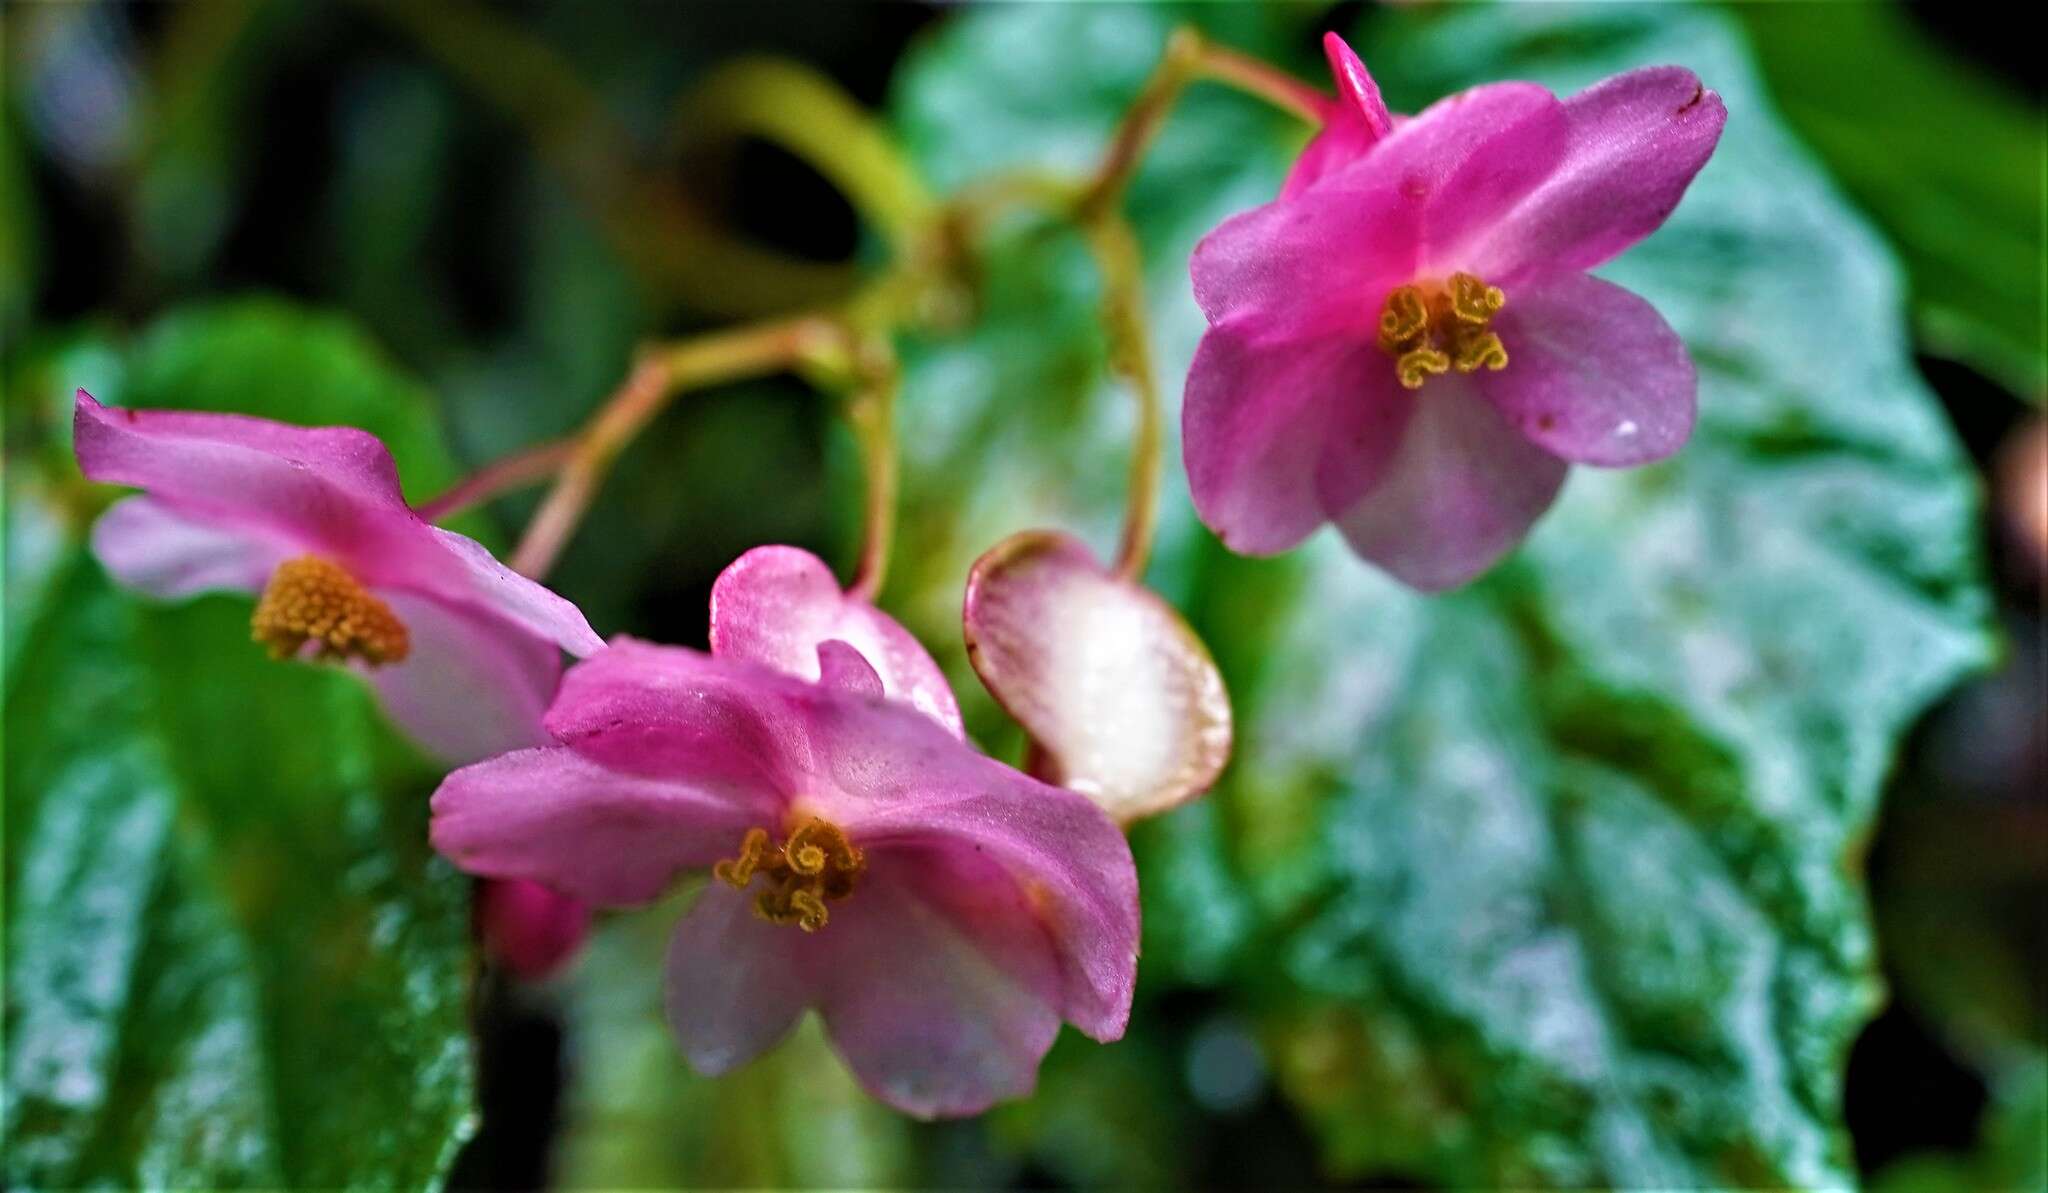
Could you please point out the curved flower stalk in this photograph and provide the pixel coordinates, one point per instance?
(463, 653)
(1120, 697)
(942, 912)
(1406, 342)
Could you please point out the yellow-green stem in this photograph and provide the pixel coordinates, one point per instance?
(871, 411)
(1130, 356)
(662, 373)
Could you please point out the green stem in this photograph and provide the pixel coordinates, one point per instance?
(1130, 355)
(871, 411)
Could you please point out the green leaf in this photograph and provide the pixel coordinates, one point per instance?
(1554, 880)
(232, 958)
(1946, 158)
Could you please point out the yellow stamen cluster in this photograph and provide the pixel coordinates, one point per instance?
(310, 599)
(1430, 329)
(815, 865)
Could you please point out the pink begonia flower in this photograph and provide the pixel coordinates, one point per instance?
(941, 911)
(464, 653)
(1406, 342)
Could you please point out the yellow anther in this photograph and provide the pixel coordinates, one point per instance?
(1473, 300)
(310, 599)
(1430, 328)
(1479, 350)
(1420, 364)
(815, 865)
(1404, 318)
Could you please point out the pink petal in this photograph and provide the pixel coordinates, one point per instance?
(734, 983)
(774, 605)
(1463, 162)
(844, 669)
(330, 489)
(530, 929)
(1320, 263)
(478, 578)
(669, 712)
(897, 782)
(935, 984)
(148, 546)
(472, 685)
(1594, 373)
(1108, 678)
(1277, 434)
(604, 836)
(1635, 142)
(1463, 489)
(1356, 121)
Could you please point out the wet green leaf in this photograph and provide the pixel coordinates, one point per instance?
(232, 958)
(1555, 880)
(1946, 158)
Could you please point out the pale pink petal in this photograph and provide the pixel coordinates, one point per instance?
(1320, 263)
(734, 984)
(476, 577)
(936, 985)
(898, 780)
(1463, 489)
(153, 548)
(1107, 678)
(1594, 373)
(1276, 434)
(1356, 120)
(529, 928)
(471, 686)
(1636, 141)
(604, 836)
(774, 605)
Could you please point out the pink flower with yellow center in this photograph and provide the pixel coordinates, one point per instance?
(1407, 343)
(941, 911)
(464, 653)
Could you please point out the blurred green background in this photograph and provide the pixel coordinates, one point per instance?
(1577, 877)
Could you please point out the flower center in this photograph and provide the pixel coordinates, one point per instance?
(310, 599)
(817, 863)
(1430, 328)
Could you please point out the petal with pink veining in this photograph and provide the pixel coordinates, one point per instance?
(1636, 140)
(1594, 374)
(150, 547)
(774, 605)
(734, 984)
(471, 686)
(1272, 433)
(936, 985)
(477, 578)
(1107, 677)
(1461, 492)
(605, 836)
